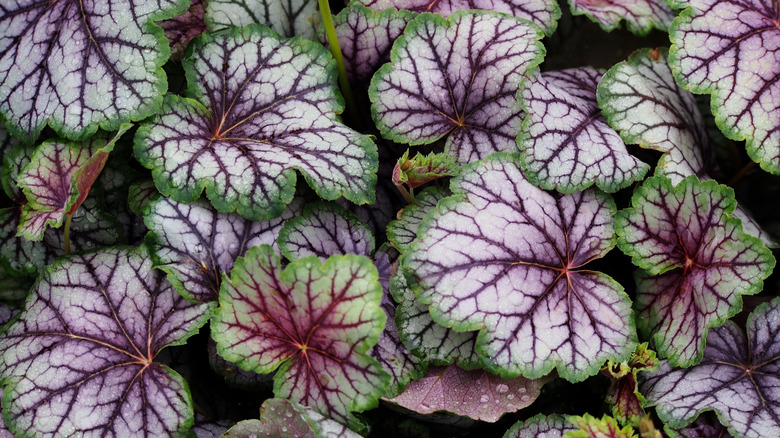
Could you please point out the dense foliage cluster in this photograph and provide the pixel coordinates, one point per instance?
(479, 180)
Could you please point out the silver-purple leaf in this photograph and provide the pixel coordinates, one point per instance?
(366, 37)
(403, 231)
(737, 378)
(80, 358)
(195, 244)
(543, 13)
(433, 342)
(80, 65)
(696, 263)
(287, 17)
(566, 144)
(504, 257)
(641, 16)
(458, 78)
(540, 426)
(641, 100)
(730, 49)
(475, 394)
(322, 230)
(262, 107)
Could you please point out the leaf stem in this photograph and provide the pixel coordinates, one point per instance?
(68, 218)
(335, 49)
(741, 173)
(407, 194)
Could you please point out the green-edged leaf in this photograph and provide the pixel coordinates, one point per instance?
(322, 230)
(730, 49)
(504, 257)
(737, 378)
(403, 231)
(475, 394)
(695, 262)
(641, 16)
(566, 144)
(421, 96)
(287, 17)
(540, 426)
(314, 322)
(58, 178)
(263, 106)
(80, 65)
(543, 13)
(80, 360)
(195, 244)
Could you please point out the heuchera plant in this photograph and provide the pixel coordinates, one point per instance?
(389, 218)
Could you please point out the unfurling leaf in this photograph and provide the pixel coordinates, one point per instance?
(420, 170)
(313, 322)
(262, 107)
(624, 397)
(696, 263)
(591, 427)
(504, 257)
(80, 359)
(737, 378)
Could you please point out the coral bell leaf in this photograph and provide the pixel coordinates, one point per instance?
(641, 15)
(58, 179)
(695, 262)
(313, 322)
(730, 49)
(287, 17)
(737, 378)
(80, 64)
(262, 107)
(540, 426)
(503, 256)
(458, 78)
(79, 360)
(566, 143)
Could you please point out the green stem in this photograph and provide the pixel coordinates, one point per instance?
(408, 196)
(335, 49)
(68, 218)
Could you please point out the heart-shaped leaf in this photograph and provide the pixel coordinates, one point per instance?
(736, 378)
(269, 106)
(282, 418)
(366, 37)
(695, 262)
(317, 321)
(181, 29)
(195, 244)
(729, 49)
(288, 17)
(475, 394)
(403, 231)
(641, 15)
(540, 426)
(504, 257)
(566, 143)
(324, 229)
(421, 96)
(641, 100)
(58, 178)
(80, 358)
(80, 65)
(543, 13)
